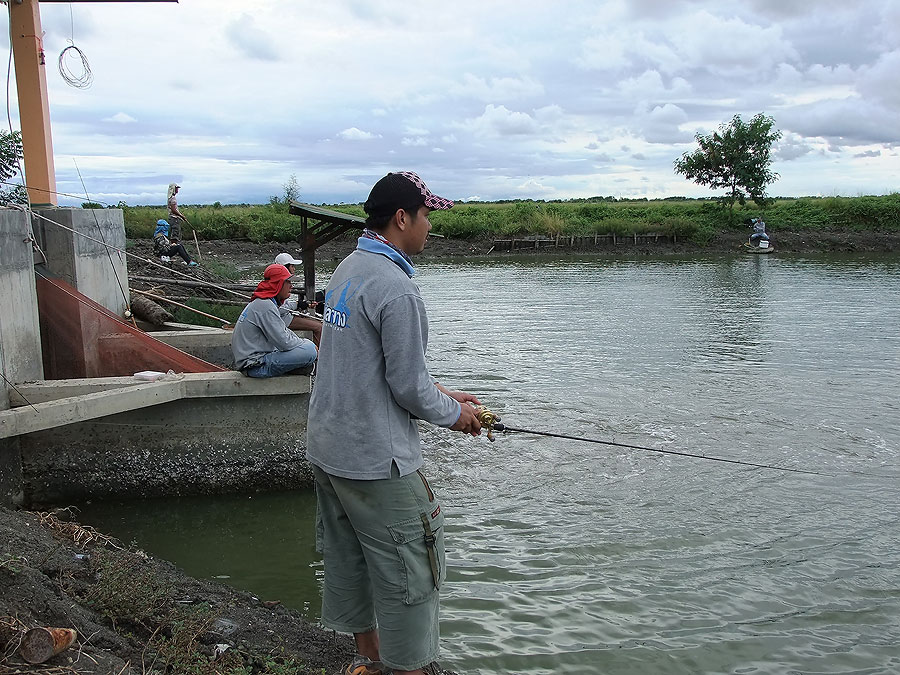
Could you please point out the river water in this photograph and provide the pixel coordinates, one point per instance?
(573, 557)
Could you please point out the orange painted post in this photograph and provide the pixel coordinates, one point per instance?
(34, 106)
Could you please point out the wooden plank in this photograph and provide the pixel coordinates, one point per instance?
(43, 416)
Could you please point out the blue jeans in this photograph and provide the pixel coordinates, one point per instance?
(278, 363)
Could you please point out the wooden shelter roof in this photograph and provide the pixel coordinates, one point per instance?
(317, 227)
(328, 224)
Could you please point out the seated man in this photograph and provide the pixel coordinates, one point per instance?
(262, 345)
(164, 248)
(289, 308)
(759, 231)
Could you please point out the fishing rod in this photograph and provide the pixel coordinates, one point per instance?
(491, 421)
(506, 427)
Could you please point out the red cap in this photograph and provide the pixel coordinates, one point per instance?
(273, 279)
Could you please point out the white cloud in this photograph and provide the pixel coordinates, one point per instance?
(500, 121)
(120, 118)
(354, 134)
(250, 40)
(879, 81)
(496, 88)
(663, 125)
(495, 98)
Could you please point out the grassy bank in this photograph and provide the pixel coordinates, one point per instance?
(696, 220)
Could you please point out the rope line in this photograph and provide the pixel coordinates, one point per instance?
(57, 193)
(103, 237)
(16, 389)
(137, 257)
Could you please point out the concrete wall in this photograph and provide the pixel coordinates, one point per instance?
(96, 271)
(187, 447)
(209, 344)
(20, 336)
(71, 349)
(20, 340)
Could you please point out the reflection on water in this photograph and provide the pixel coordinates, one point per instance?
(570, 557)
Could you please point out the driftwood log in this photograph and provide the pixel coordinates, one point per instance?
(41, 644)
(188, 283)
(145, 309)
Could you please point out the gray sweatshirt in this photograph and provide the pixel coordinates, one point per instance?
(372, 382)
(260, 330)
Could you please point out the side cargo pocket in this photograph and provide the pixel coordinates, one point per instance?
(421, 556)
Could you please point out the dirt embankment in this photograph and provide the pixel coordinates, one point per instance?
(244, 253)
(137, 615)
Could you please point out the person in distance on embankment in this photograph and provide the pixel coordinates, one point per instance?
(176, 218)
(165, 248)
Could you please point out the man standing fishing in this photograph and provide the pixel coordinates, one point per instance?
(379, 523)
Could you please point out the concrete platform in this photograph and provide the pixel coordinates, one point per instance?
(119, 437)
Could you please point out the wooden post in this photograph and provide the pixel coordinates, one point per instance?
(308, 255)
(34, 106)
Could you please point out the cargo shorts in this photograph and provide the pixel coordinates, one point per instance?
(382, 542)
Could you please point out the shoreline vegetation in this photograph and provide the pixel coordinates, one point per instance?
(237, 242)
(695, 221)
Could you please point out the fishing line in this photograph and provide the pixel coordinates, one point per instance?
(103, 238)
(506, 427)
(135, 256)
(16, 389)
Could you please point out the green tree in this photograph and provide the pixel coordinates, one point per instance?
(737, 157)
(11, 154)
(291, 189)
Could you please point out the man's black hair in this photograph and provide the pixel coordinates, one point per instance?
(380, 222)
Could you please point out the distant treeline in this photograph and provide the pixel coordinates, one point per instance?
(694, 219)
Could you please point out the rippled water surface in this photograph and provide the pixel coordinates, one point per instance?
(573, 557)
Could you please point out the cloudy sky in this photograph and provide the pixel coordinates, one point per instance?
(486, 99)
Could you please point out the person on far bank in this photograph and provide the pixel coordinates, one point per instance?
(379, 522)
(165, 248)
(175, 217)
(759, 231)
(290, 308)
(261, 344)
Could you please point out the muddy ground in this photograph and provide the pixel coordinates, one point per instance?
(250, 258)
(243, 253)
(135, 614)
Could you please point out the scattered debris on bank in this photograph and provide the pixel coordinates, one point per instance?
(135, 614)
